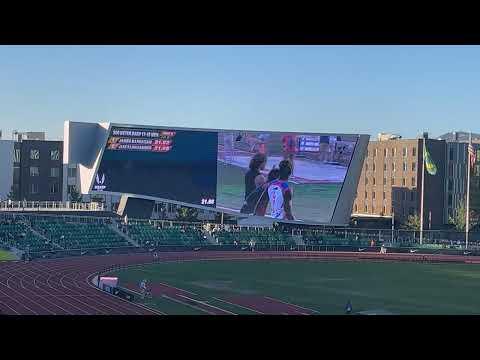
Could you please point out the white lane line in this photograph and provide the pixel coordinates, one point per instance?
(294, 305)
(190, 305)
(241, 306)
(206, 304)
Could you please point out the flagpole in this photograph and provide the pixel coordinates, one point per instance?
(467, 215)
(421, 196)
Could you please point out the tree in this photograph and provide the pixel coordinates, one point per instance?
(75, 196)
(412, 223)
(459, 218)
(187, 214)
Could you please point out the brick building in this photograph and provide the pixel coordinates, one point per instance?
(390, 183)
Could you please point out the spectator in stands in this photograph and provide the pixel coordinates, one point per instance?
(253, 177)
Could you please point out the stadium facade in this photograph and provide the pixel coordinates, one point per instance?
(81, 151)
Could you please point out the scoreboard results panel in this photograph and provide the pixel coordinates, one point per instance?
(309, 143)
(141, 140)
(172, 164)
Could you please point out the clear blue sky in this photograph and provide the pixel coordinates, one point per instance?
(350, 89)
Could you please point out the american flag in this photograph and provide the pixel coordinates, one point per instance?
(471, 154)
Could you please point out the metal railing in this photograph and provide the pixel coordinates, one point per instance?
(9, 205)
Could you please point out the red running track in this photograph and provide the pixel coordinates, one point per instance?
(63, 287)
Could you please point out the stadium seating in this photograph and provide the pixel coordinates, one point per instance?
(79, 235)
(20, 236)
(315, 237)
(148, 235)
(243, 236)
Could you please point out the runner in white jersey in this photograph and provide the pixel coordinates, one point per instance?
(280, 194)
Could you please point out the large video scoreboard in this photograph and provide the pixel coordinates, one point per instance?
(208, 168)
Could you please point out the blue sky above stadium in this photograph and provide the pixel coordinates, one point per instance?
(366, 89)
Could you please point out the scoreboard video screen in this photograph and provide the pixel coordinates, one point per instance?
(244, 172)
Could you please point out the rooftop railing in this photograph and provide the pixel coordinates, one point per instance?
(10, 205)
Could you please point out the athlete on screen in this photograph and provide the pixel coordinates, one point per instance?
(253, 177)
(280, 193)
(256, 203)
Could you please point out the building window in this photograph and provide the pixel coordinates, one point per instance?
(384, 195)
(54, 154)
(55, 172)
(366, 208)
(356, 209)
(404, 166)
(384, 181)
(373, 179)
(450, 169)
(393, 181)
(393, 166)
(366, 166)
(414, 165)
(374, 167)
(385, 152)
(413, 181)
(366, 195)
(33, 188)
(412, 196)
(394, 152)
(384, 209)
(373, 195)
(385, 167)
(450, 186)
(16, 155)
(404, 196)
(405, 152)
(34, 154)
(53, 188)
(450, 200)
(34, 171)
(375, 152)
(414, 151)
(404, 182)
(450, 155)
(72, 172)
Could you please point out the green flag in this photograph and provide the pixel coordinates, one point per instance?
(429, 164)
